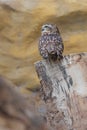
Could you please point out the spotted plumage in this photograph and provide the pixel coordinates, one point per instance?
(51, 44)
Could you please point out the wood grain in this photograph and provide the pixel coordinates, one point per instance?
(64, 90)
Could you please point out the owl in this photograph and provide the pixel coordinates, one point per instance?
(50, 43)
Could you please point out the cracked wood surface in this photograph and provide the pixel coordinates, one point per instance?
(64, 90)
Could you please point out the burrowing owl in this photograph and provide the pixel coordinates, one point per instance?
(51, 44)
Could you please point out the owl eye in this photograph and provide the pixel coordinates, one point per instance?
(42, 29)
(46, 26)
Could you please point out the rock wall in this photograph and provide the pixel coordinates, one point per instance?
(20, 23)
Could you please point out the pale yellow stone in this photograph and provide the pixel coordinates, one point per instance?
(20, 24)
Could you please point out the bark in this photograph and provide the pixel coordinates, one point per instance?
(64, 90)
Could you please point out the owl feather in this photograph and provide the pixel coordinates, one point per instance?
(50, 43)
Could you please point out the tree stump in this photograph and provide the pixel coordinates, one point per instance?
(64, 90)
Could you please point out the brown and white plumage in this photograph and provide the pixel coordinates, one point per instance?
(51, 44)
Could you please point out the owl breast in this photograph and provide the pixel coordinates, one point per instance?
(50, 45)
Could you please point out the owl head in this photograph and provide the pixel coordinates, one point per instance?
(49, 29)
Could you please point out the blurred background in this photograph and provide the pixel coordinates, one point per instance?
(20, 24)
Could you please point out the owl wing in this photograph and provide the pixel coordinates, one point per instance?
(59, 45)
(42, 48)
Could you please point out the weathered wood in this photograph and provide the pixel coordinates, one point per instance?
(16, 111)
(64, 89)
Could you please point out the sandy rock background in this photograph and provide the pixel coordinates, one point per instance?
(20, 23)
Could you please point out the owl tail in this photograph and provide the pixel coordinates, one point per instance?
(53, 56)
